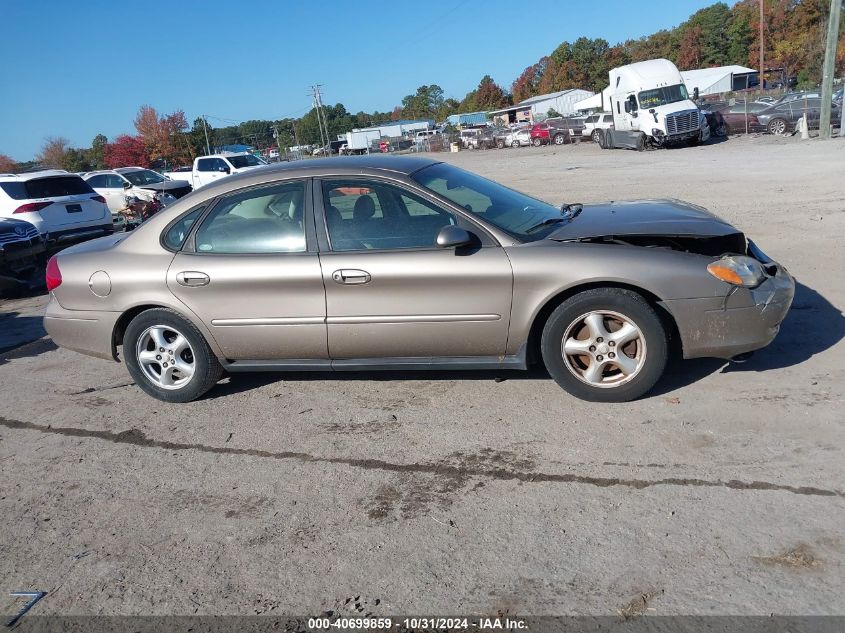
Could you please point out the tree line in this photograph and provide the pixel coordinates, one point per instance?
(717, 35)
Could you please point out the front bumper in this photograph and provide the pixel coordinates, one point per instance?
(745, 320)
(85, 331)
(20, 263)
(61, 239)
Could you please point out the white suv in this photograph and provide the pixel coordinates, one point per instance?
(63, 207)
(117, 184)
(596, 124)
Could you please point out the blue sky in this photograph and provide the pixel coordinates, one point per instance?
(76, 69)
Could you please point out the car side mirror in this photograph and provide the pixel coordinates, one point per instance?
(224, 169)
(695, 94)
(452, 236)
(127, 185)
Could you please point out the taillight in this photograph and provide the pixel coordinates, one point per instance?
(31, 207)
(54, 275)
(99, 199)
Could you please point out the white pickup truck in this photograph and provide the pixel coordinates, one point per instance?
(208, 169)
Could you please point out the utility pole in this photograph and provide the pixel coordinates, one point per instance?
(829, 67)
(322, 122)
(762, 66)
(278, 140)
(205, 127)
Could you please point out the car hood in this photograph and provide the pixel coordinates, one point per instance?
(9, 225)
(641, 218)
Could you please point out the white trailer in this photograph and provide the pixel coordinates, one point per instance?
(651, 106)
(360, 141)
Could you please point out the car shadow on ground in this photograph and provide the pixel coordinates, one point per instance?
(812, 326)
(28, 349)
(17, 329)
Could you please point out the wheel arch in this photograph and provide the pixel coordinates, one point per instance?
(130, 313)
(544, 312)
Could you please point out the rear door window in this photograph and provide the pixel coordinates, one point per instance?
(97, 181)
(263, 220)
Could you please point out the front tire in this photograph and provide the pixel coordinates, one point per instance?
(168, 357)
(777, 126)
(605, 345)
(500, 144)
(515, 144)
(536, 142)
(597, 136)
(608, 140)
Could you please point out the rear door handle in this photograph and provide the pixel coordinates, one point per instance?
(351, 276)
(192, 278)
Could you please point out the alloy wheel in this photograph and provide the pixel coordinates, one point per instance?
(165, 357)
(603, 348)
(559, 139)
(596, 136)
(778, 126)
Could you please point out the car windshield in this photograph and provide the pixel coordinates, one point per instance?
(143, 177)
(662, 96)
(522, 216)
(245, 160)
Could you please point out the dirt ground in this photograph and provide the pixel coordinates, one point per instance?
(721, 493)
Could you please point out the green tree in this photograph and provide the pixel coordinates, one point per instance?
(424, 104)
(96, 155)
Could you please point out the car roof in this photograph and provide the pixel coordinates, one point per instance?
(31, 175)
(97, 172)
(345, 166)
(400, 164)
(126, 170)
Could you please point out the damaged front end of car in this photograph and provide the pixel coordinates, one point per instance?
(755, 294)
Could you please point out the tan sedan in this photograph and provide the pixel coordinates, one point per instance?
(408, 263)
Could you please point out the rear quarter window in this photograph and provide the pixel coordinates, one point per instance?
(175, 236)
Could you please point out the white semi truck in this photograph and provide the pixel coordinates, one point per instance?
(651, 107)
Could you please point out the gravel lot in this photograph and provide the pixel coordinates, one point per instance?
(722, 493)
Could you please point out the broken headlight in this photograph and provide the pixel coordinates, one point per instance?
(738, 270)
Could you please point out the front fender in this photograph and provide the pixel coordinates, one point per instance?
(544, 270)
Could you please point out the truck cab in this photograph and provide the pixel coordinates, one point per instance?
(650, 105)
(208, 169)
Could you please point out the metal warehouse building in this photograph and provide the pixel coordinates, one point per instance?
(468, 118)
(562, 102)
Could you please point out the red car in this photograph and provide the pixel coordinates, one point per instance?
(543, 133)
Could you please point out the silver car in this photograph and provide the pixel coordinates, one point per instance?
(394, 263)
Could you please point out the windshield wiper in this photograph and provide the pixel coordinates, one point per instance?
(568, 212)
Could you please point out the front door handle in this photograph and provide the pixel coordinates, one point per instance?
(192, 278)
(351, 276)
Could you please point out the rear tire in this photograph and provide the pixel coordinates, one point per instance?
(514, 143)
(536, 142)
(579, 345)
(500, 144)
(168, 356)
(597, 137)
(641, 142)
(559, 139)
